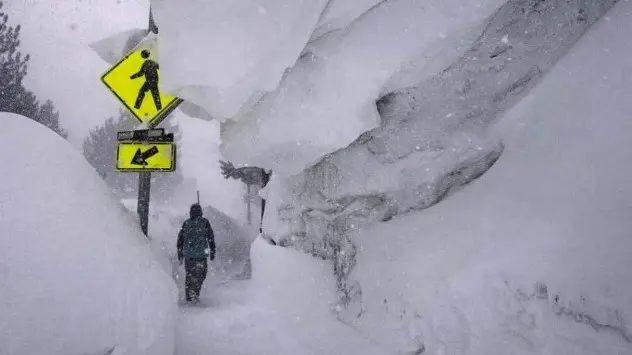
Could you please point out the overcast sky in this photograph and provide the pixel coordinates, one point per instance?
(57, 34)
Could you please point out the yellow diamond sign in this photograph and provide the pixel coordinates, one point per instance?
(135, 80)
(146, 157)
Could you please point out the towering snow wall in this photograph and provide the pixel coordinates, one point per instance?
(433, 137)
(297, 81)
(441, 71)
(534, 257)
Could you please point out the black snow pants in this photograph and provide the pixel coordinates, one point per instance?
(196, 270)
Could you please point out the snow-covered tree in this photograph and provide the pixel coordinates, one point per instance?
(14, 97)
(49, 117)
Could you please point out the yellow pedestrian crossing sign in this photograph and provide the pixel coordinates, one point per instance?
(134, 80)
(146, 156)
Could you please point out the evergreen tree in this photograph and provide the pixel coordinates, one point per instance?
(49, 117)
(13, 65)
(14, 97)
(99, 148)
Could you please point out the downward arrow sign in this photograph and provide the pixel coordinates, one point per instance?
(140, 158)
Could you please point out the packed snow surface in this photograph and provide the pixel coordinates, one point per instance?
(77, 275)
(256, 317)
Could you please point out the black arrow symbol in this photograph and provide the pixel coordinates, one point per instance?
(140, 158)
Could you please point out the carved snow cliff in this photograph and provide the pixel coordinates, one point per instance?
(433, 138)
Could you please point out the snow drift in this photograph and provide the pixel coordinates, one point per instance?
(298, 302)
(77, 275)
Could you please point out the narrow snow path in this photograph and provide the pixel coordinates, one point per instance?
(232, 319)
(226, 322)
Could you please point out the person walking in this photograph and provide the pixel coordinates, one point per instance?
(196, 243)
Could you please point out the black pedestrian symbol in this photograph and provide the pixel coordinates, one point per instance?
(150, 71)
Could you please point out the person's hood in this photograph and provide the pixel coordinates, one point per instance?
(196, 211)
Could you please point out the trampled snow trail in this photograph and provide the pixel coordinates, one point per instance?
(228, 321)
(235, 316)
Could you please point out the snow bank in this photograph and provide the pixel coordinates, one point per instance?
(299, 299)
(534, 257)
(77, 275)
(314, 289)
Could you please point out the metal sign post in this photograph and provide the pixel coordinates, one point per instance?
(134, 81)
(144, 188)
(144, 178)
(145, 151)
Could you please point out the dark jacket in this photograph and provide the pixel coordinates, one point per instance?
(196, 239)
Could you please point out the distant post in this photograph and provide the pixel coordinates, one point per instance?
(251, 176)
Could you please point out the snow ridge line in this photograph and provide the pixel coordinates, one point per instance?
(348, 27)
(581, 317)
(560, 310)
